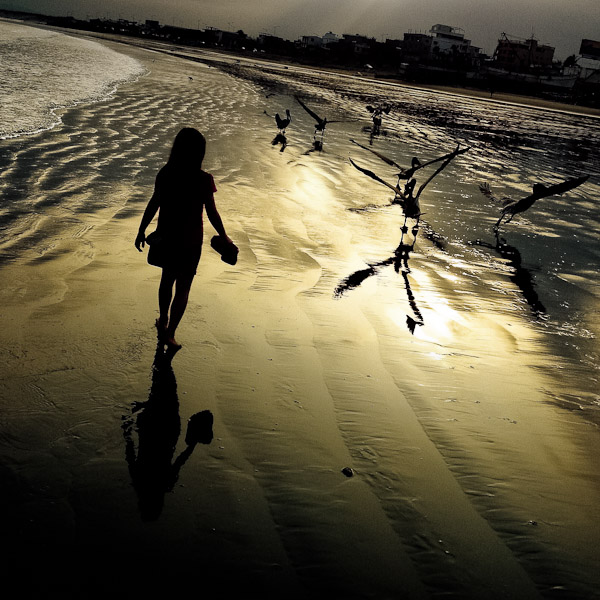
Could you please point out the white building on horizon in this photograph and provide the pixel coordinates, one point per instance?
(330, 38)
(449, 40)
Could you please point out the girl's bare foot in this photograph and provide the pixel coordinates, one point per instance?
(161, 329)
(170, 340)
(172, 343)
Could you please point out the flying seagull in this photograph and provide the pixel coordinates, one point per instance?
(415, 163)
(320, 123)
(512, 207)
(406, 197)
(377, 111)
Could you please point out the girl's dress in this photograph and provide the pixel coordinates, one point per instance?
(182, 193)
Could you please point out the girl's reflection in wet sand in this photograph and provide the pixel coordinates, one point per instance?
(158, 426)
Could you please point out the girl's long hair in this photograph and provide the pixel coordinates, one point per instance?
(188, 148)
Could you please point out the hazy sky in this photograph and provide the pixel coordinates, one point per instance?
(559, 24)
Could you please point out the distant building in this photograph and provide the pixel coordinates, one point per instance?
(311, 41)
(590, 49)
(522, 56)
(588, 64)
(449, 40)
(358, 44)
(416, 46)
(228, 39)
(274, 44)
(443, 44)
(589, 69)
(356, 38)
(267, 38)
(330, 38)
(393, 43)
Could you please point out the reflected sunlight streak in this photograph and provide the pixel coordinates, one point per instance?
(441, 323)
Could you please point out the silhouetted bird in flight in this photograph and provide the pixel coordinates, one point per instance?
(377, 111)
(415, 163)
(512, 207)
(406, 197)
(320, 123)
(283, 123)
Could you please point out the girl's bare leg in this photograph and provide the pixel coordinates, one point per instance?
(165, 294)
(178, 306)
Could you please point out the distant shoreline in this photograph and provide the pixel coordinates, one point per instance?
(498, 97)
(483, 95)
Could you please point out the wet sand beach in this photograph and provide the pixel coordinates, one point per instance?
(459, 386)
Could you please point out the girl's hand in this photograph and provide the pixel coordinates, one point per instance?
(140, 240)
(226, 239)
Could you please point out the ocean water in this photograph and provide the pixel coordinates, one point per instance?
(43, 71)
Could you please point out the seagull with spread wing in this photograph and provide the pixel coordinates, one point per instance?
(406, 197)
(415, 163)
(320, 123)
(376, 112)
(513, 207)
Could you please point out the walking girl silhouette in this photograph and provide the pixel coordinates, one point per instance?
(182, 192)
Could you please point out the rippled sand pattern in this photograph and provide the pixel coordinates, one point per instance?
(460, 385)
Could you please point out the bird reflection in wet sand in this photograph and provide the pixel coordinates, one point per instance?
(521, 276)
(316, 146)
(512, 207)
(399, 260)
(280, 139)
(157, 426)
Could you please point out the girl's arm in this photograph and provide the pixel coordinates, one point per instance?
(215, 219)
(147, 217)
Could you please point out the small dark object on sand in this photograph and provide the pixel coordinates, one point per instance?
(347, 471)
(228, 252)
(199, 430)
